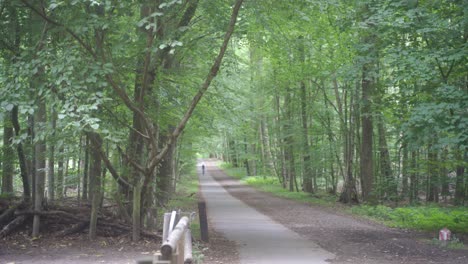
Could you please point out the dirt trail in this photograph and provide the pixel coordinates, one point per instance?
(352, 240)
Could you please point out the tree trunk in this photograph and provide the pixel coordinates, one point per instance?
(389, 182)
(164, 181)
(21, 157)
(136, 219)
(60, 173)
(432, 194)
(405, 172)
(95, 182)
(86, 168)
(40, 165)
(414, 184)
(51, 171)
(8, 158)
(246, 154)
(367, 168)
(349, 194)
(267, 148)
(460, 194)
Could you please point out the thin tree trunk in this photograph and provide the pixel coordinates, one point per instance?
(60, 173)
(389, 182)
(95, 183)
(405, 172)
(7, 158)
(414, 184)
(460, 179)
(40, 150)
(21, 156)
(86, 168)
(51, 171)
(350, 194)
(433, 180)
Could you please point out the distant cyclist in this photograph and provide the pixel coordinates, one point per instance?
(203, 168)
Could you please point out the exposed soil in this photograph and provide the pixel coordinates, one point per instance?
(220, 250)
(352, 239)
(20, 248)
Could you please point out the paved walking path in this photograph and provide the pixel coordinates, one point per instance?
(259, 238)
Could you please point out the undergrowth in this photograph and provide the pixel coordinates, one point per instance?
(427, 218)
(272, 185)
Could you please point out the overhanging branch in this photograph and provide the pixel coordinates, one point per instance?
(196, 99)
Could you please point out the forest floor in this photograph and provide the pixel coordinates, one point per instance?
(350, 238)
(74, 249)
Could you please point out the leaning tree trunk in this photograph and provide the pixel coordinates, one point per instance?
(24, 171)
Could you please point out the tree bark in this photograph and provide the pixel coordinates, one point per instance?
(51, 171)
(40, 150)
(60, 173)
(432, 194)
(460, 194)
(389, 182)
(95, 183)
(21, 156)
(86, 147)
(367, 168)
(7, 158)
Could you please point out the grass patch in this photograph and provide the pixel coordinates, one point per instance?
(272, 185)
(238, 173)
(428, 218)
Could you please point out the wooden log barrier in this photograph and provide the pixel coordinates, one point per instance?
(170, 244)
(188, 259)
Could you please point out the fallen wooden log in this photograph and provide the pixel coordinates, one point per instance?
(12, 225)
(74, 229)
(7, 216)
(128, 229)
(9, 213)
(48, 213)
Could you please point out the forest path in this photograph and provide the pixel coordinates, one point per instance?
(260, 239)
(261, 225)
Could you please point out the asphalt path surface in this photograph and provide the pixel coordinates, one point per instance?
(259, 238)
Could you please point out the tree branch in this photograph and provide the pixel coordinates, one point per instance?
(69, 31)
(107, 162)
(209, 78)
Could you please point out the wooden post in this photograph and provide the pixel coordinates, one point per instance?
(166, 231)
(188, 259)
(203, 222)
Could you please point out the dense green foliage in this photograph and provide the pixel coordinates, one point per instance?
(366, 100)
(430, 218)
(96, 97)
